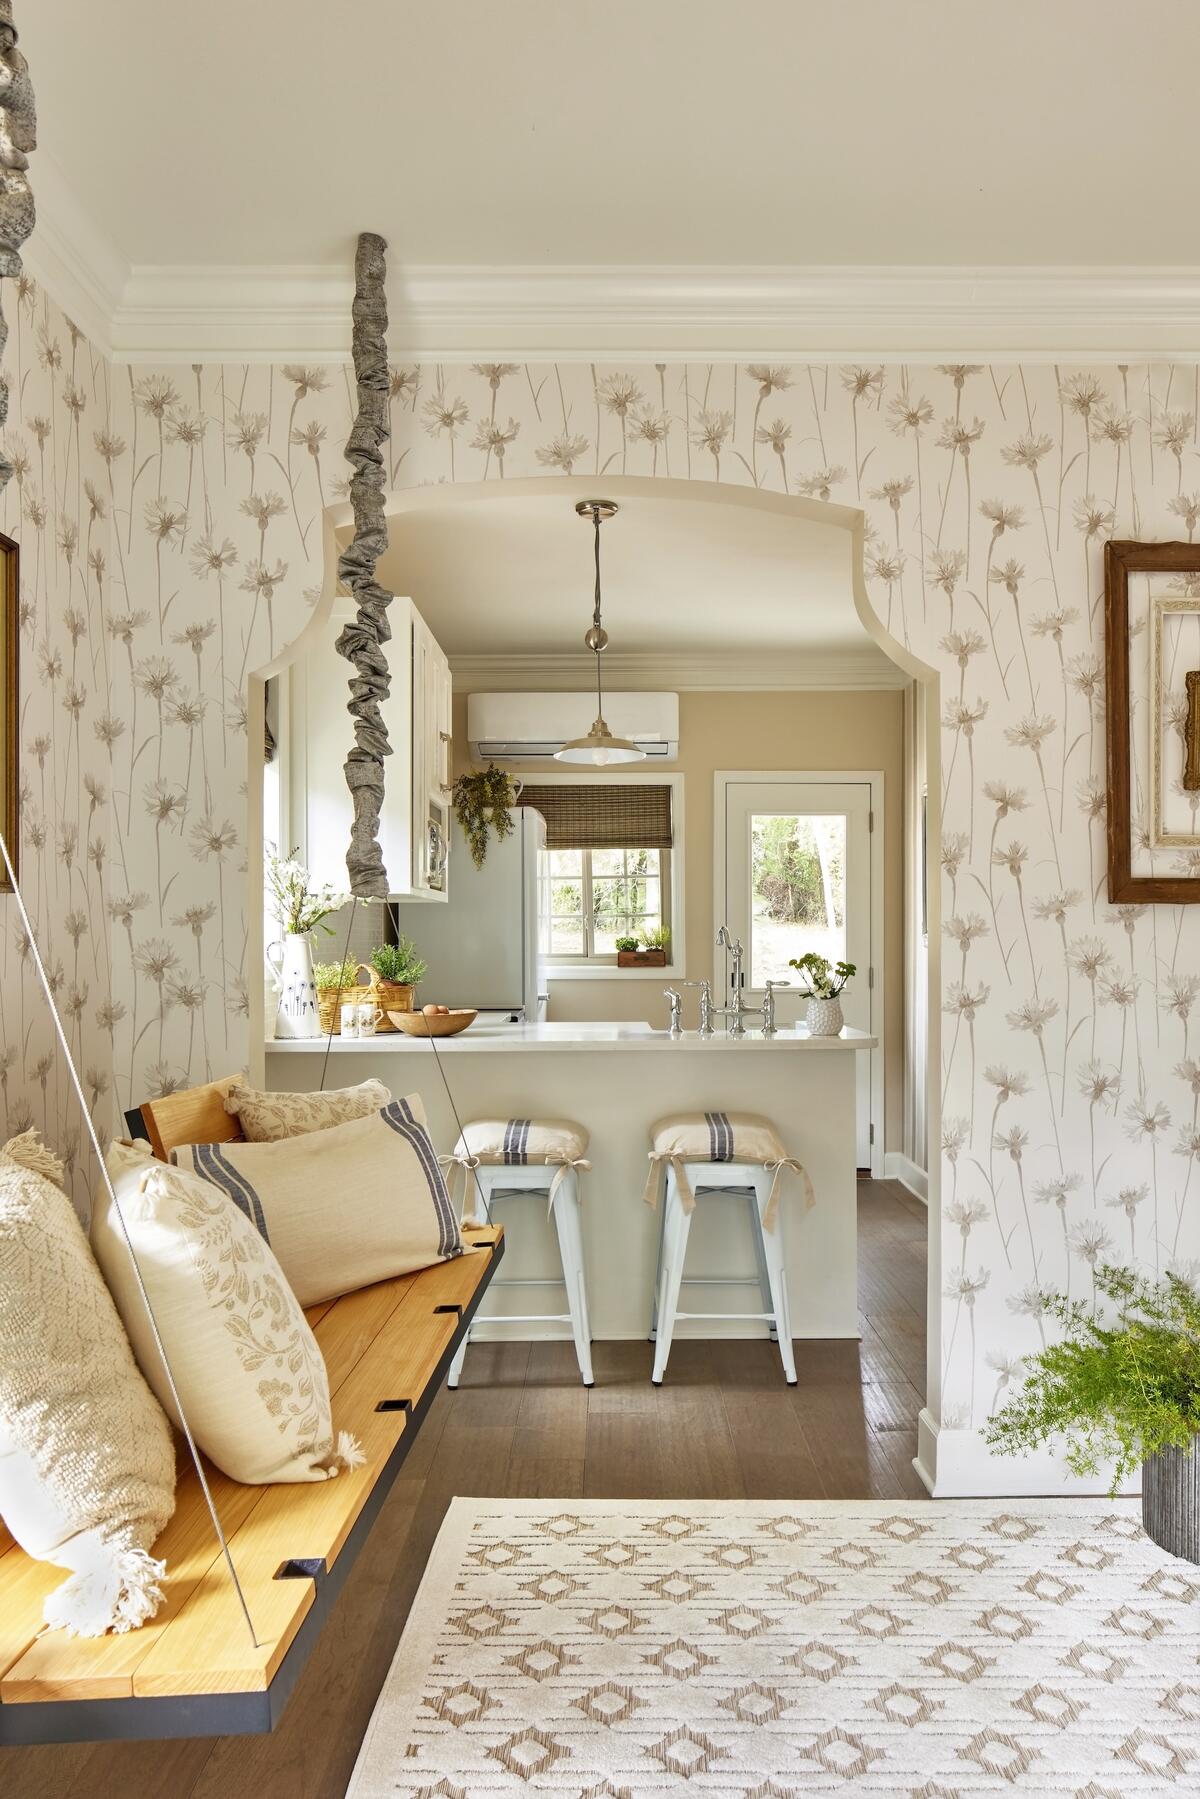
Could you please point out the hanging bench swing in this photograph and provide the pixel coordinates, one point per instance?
(252, 1572)
(194, 1670)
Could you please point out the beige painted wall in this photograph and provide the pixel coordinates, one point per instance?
(762, 731)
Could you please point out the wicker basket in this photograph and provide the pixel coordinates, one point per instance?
(330, 1000)
(391, 996)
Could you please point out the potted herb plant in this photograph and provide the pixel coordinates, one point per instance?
(1121, 1385)
(300, 908)
(337, 982)
(647, 951)
(824, 983)
(483, 801)
(398, 968)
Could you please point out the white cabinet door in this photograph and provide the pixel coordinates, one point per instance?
(430, 763)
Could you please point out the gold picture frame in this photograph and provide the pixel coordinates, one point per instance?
(10, 701)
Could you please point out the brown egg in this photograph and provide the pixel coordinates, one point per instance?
(431, 1011)
(442, 1011)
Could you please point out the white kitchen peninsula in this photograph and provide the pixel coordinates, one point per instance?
(616, 1079)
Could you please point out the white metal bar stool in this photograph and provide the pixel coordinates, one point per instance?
(744, 1159)
(501, 1158)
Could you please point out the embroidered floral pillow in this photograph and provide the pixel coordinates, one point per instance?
(268, 1117)
(248, 1371)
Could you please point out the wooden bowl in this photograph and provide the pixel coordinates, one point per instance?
(437, 1024)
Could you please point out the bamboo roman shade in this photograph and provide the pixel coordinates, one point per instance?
(593, 816)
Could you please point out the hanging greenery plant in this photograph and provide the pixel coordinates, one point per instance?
(484, 801)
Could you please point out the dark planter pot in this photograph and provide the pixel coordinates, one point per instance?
(641, 958)
(1171, 1501)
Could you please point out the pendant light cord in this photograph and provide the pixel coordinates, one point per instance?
(596, 615)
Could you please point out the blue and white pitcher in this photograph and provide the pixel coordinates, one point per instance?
(292, 965)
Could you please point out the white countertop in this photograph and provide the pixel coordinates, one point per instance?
(484, 1038)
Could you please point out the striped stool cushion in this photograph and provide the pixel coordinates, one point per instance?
(522, 1142)
(517, 1143)
(718, 1137)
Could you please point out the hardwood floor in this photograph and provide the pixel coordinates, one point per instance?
(722, 1426)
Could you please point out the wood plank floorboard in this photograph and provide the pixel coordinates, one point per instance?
(723, 1426)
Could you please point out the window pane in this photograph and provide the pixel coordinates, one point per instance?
(608, 862)
(566, 897)
(566, 937)
(798, 898)
(566, 862)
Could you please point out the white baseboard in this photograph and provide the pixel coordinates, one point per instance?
(898, 1167)
(957, 1464)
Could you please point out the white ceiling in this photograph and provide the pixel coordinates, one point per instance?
(649, 132)
(690, 578)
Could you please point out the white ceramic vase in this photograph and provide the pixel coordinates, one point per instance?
(296, 1013)
(824, 1017)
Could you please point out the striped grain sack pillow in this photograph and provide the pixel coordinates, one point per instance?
(341, 1207)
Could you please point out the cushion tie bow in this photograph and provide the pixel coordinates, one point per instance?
(660, 1158)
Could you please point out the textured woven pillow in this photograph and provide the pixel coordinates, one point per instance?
(719, 1137)
(341, 1207)
(266, 1117)
(247, 1369)
(87, 1465)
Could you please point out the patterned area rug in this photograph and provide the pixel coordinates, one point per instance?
(613, 1649)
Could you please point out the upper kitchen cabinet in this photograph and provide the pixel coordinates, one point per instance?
(414, 827)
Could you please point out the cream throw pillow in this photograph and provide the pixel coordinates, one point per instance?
(247, 1369)
(87, 1465)
(266, 1117)
(342, 1207)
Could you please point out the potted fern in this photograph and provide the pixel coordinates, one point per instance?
(398, 968)
(824, 983)
(483, 801)
(1121, 1385)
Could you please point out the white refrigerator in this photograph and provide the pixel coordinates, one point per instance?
(480, 944)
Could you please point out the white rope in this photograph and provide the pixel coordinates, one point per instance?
(116, 1204)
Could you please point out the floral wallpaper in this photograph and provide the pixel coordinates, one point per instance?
(58, 508)
(190, 498)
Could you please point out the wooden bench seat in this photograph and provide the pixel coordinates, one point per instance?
(194, 1670)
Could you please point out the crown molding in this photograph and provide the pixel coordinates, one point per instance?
(273, 313)
(713, 671)
(71, 258)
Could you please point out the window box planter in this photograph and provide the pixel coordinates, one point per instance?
(641, 958)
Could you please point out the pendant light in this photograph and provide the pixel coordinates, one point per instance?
(599, 749)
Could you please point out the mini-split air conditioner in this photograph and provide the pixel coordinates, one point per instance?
(530, 727)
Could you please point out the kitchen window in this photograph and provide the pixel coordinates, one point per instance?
(589, 897)
(610, 869)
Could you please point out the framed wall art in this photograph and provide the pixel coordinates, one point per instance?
(10, 686)
(1152, 664)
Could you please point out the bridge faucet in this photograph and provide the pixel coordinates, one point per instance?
(736, 1012)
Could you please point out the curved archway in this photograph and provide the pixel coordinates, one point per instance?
(829, 532)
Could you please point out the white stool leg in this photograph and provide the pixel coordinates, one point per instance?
(567, 1222)
(676, 1228)
(483, 1196)
(764, 1283)
(772, 1249)
(658, 1267)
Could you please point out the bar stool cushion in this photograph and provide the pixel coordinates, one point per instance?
(720, 1137)
(518, 1143)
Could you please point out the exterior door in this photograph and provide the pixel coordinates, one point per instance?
(797, 877)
